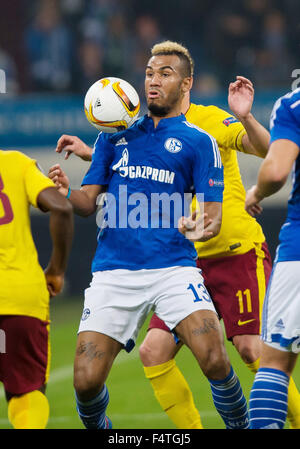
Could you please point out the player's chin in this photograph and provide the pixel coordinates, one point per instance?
(156, 108)
(153, 101)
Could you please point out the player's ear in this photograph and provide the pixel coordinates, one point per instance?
(187, 83)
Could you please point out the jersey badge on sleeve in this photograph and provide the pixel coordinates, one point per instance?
(230, 120)
(215, 182)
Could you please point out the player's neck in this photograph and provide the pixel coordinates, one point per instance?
(186, 103)
(185, 109)
(156, 119)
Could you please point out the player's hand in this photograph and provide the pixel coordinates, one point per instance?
(240, 97)
(55, 282)
(72, 144)
(194, 229)
(252, 202)
(59, 178)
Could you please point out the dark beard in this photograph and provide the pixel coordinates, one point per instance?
(159, 111)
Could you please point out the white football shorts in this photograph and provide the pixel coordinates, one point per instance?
(118, 301)
(281, 312)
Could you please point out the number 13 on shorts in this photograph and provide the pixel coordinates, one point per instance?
(199, 292)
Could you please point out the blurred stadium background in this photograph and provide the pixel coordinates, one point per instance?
(51, 51)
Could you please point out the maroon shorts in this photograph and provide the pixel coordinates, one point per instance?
(24, 364)
(237, 285)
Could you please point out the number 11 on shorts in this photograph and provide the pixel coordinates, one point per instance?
(247, 295)
(199, 292)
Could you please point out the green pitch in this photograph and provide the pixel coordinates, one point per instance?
(132, 403)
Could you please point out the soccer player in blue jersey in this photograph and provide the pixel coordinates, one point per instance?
(142, 261)
(281, 313)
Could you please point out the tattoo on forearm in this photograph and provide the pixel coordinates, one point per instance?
(208, 325)
(90, 351)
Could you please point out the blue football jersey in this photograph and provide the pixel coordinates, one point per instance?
(150, 174)
(285, 124)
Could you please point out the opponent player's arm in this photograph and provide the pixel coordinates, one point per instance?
(72, 144)
(256, 141)
(61, 231)
(84, 201)
(205, 222)
(204, 227)
(240, 100)
(273, 172)
(213, 210)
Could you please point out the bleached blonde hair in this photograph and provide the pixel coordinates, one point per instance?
(174, 48)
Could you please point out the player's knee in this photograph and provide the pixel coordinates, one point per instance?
(248, 347)
(149, 355)
(145, 355)
(248, 354)
(156, 352)
(215, 365)
(86, 384)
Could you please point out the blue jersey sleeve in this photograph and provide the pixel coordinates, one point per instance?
(99, 171)
(285, 119)
(208, 170)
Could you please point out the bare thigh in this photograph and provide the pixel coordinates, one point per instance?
(202, 333)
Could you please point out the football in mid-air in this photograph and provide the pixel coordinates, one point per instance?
(111, 104)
